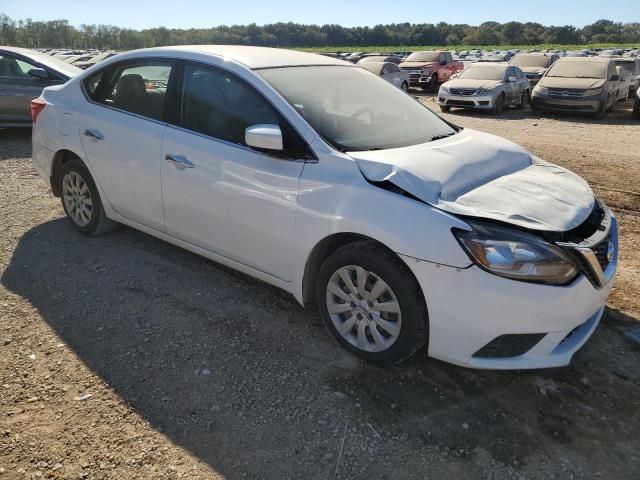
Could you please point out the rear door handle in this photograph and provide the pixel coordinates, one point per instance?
(179, 161)
(95, 134)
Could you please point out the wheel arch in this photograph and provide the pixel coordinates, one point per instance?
(59, 159)
(323, 249)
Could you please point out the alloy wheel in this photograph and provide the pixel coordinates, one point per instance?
(363, 308)
(77, 198)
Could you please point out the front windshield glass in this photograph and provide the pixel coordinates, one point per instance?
(423, 57)
(530, 61)
(578, 70)
(483, 73)
(354, 110)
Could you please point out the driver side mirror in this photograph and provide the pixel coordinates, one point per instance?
(265, 137)
(39, 73)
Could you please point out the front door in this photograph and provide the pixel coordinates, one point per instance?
(219, 194)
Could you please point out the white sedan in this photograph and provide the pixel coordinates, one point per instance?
(320, 178)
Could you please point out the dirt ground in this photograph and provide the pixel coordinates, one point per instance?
(123, 357)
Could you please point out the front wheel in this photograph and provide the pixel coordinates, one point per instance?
(434, 83)
(371, 303)
(80, 199)
(499, 105)
(404, 87)
(445, 108)
(523, 100)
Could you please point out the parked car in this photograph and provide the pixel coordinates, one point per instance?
(389, 72)
(486, 86)
(323, 180)
(575, 84)
(631, 68)
(381, 58)
(429, 69)
(94, 60)
(534, 65)
(23, 75)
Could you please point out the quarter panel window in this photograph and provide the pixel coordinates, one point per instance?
(220, 105)
(138, 88)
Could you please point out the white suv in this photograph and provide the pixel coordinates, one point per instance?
(322, 179)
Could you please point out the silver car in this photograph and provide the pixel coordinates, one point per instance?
(389, 72)
(486, 86)
(23, 75)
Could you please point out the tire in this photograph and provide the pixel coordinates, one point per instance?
(81, 200)
(444, 108)
(394, 336)
(433, 84)
(636, 111)
(498, 108)
(404, 87)
(523, 100)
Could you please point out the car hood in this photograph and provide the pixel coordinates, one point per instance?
(579, 83)
(538, 70)
(417, 64)
(473, 84)
(481, 175)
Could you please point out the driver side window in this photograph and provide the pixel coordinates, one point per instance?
(11, 67)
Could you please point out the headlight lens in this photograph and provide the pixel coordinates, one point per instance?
(593, 91)
(541, 90)
(517, 255)
(485, 90)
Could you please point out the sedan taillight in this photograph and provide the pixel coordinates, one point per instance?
(37, 105)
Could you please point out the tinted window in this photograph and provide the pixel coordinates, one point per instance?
(139, 88)
(13, 68)
(220, 105)
(392, 67)
(91, 84)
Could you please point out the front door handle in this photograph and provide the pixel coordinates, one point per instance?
(179, 161)
(95, 134)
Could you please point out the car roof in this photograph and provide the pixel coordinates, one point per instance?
(585, 59)
(252, 57)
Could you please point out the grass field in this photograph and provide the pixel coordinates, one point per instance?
(413, 48)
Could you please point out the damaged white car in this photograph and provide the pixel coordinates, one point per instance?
(320, 178)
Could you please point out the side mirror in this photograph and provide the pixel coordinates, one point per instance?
(265, 137)
(40, 73)
(512, 79)
(615, 78)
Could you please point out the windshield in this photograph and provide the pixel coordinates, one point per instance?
(483, 73)
(423, 57)
(354, 110)
(578, 70)
(530, 61)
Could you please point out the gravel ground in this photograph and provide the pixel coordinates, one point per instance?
(123, 357)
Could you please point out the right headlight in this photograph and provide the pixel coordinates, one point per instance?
(541, 90)
(514, 254)
(593, 91)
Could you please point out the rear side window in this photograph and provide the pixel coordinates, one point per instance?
(138, 88)
(92, 83)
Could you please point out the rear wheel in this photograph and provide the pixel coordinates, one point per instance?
(80, 199)
(445, 108)
(371, 303)
(523, 100)
(404, 87)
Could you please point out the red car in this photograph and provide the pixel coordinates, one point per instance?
(428, 70)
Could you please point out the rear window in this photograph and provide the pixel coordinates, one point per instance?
(91, 84)
(423, 57)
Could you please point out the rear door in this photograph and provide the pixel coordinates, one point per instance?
(18, 88)
(511, 88)
(121, 127)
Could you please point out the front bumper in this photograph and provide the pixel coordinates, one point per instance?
(478, 101)
(584, 104)
(469, 308)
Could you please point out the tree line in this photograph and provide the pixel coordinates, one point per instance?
(61, 34)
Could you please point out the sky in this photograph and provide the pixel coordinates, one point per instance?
(140, 14)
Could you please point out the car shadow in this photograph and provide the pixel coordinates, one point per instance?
(15, 143)
(239, 374)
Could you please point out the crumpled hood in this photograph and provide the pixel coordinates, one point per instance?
(481, 175)
(580, 83)
(472, 84)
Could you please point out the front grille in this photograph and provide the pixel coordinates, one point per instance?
(506, 346)
(461, 103)
(565, 93)
(463, 91)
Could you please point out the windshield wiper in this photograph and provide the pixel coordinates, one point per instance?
(440, 137)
